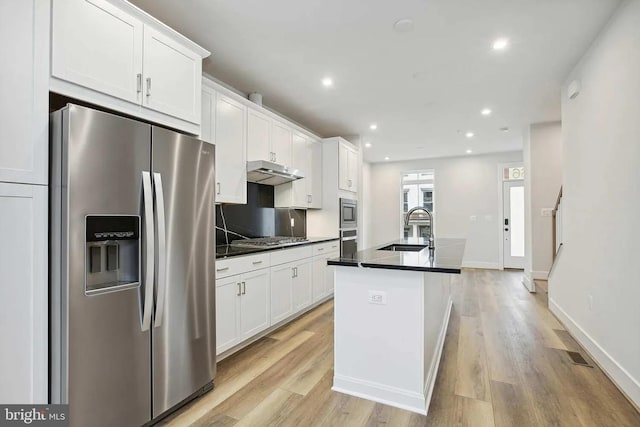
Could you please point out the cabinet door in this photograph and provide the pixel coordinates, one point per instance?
(172, 77)
(281, 135)
(315, 174)
(258, 136)
(254, 303)
(207, 124)
(300, 159)
(343, 167)
(302, 285)
(230, 140)
(318, 277)
(96, 45)
(23, 293)
(227, 313)
(24, 77)
(352, 160)
(281, 292)
(328, 273)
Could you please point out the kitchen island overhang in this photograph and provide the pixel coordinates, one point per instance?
(391, 317)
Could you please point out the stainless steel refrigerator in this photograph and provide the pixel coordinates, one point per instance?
(132, 268)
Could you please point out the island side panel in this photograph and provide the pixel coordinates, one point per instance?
(379, 347)
(437, 310)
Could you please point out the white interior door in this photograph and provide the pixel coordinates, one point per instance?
(513, 225)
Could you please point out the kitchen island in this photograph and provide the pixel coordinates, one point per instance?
(392, 309)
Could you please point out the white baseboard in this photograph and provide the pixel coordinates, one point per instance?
(619, 375)
(482, 264)
(398, 398)
(540, 275)
(528, 283)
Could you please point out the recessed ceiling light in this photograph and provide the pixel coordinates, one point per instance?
(373, 126)
(367, 144)
(500, 44)
(403, 26)
(469, 151)
(486, 111)
(469, 134)
(386, 158)
(504, 129)
(327, 82)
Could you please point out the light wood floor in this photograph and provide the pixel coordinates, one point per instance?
(503, 364)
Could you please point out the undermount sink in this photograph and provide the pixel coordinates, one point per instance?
(403, 248)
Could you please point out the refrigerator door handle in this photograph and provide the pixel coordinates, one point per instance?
(162, 248)
(150, 250)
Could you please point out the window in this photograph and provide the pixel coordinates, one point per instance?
(418, 190)
(405, 201)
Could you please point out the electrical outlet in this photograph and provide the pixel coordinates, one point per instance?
(473, 218)
(378, 297)
(546, 212)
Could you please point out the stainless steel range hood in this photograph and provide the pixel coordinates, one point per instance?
(263, 172)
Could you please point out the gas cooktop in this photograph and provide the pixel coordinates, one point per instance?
(268, 241)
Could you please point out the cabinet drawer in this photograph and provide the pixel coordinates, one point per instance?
(326, 247)
(289, 255)
(241, 264)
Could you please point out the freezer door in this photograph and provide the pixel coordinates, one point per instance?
(100, 353)
(184, 319)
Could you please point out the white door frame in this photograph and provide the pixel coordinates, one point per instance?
(501, 167)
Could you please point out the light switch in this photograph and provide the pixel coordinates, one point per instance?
(546, 212)
(473, 218)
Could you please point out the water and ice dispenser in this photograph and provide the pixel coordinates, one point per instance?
(112, 253)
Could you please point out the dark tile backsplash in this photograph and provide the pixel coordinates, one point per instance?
(258, 218)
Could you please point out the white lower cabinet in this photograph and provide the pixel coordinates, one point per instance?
(23, 293)
(281, 292)
(242, 307)
(302, 286)
(323, 276)
(258, 291)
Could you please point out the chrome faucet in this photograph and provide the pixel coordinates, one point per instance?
(432, 243)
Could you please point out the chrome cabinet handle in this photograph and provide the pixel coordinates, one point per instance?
(293, 272)
(218, 185)
(150, 250)
(320, 249)
(275, 157)
(148, 87)
(138, 82)
(239, 289)
(162, 248)
(222, 269)
(257, 262)
(244, 288)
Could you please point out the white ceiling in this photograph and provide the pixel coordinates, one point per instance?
(424, 88)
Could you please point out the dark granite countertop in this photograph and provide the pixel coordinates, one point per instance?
(227, 251)
(447, 257)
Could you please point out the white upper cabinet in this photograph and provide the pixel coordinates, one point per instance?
(172, 75)
(24, 89)
(231, 156)
(306, 192)
(315, 175)
(258, 136)
(347, 168)
(97, 45)
(112, 54)
(301, 150)
(281, 139)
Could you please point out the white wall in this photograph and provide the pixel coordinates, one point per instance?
(595, 286)
(546, 178)
(464, 187)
